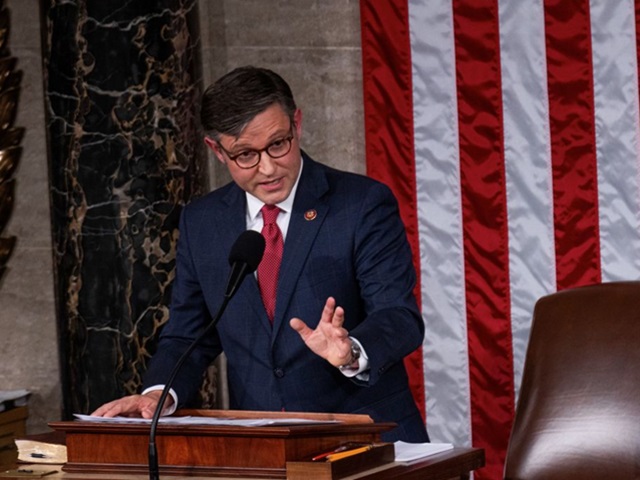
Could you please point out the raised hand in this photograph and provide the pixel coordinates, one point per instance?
(329, 340)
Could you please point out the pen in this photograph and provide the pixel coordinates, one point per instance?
(341, 448)
(337, 456)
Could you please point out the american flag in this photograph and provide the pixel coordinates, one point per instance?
(509, 132)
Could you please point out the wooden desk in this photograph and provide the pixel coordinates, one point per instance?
(453, 464)
(13, 423)
(107, 451)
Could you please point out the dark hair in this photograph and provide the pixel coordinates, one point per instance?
(237, 97)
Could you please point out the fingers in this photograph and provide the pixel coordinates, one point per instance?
(120, 407)
(131, 406)
(328, 310)
(338, 317)
(329, 339)
(332, 314)
(330, 324)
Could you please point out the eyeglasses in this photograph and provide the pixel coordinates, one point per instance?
(250, 158)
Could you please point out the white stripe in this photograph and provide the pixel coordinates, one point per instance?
(615, 73)
(440, 221)
(527, 147)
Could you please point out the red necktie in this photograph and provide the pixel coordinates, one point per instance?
(270, 264)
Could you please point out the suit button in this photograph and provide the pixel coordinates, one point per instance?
(278, 372)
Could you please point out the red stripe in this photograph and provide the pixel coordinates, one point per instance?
(573, 148)
(485, 229)
(637, 5)
(388, 112)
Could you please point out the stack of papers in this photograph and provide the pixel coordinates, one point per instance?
(13, 398)
(406, 452)
(242, 422)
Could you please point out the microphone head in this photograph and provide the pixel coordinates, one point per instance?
(248, 248)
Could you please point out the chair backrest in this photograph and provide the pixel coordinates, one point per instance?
(578, 411)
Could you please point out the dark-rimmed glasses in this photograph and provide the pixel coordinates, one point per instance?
(251, 157)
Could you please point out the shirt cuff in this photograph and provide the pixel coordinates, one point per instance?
(363, 364)
(169, 410)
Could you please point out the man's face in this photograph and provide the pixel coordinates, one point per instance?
(272, 179)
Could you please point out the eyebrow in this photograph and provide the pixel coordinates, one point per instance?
(239, 149)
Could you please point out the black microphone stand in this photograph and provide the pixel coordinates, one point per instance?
(153, 451)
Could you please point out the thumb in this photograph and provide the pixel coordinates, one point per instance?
(148, 411)
(299, 326)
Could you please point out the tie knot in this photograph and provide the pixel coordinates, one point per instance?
(269, 214)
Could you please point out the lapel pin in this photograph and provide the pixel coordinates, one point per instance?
(310, 215)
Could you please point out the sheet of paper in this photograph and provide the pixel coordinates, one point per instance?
(406, 452)
(190, 420)
(15, 398)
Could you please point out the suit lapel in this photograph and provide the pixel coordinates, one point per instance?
(308, 214)
(229, 220)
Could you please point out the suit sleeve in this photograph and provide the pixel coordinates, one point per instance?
(189, 315)
(392, 327)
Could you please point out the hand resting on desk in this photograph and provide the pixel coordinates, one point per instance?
(133, 406)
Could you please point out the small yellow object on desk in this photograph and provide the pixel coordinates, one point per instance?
(337, 456)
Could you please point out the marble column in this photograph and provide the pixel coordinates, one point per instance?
(122, 85)
(10, 136)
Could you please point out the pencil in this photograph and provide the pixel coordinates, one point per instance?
(337, 456)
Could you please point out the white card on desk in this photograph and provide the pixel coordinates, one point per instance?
(406, 452)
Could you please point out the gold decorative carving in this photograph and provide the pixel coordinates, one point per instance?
(10, 136)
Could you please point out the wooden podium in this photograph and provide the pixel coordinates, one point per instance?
(275, 451)
(206, 450)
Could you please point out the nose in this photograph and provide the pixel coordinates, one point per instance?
(267, 165)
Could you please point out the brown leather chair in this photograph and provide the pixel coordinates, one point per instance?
(578, 411)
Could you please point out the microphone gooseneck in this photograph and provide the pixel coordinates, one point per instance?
(245, 256)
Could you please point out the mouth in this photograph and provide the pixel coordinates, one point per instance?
(272, 184)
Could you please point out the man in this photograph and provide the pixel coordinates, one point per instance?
(332, 336)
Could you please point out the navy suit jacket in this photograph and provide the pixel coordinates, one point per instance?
(346, 240)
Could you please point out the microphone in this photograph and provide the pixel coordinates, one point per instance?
(245, 256)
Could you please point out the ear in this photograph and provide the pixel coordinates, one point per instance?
(297, 118)
(213, 145)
